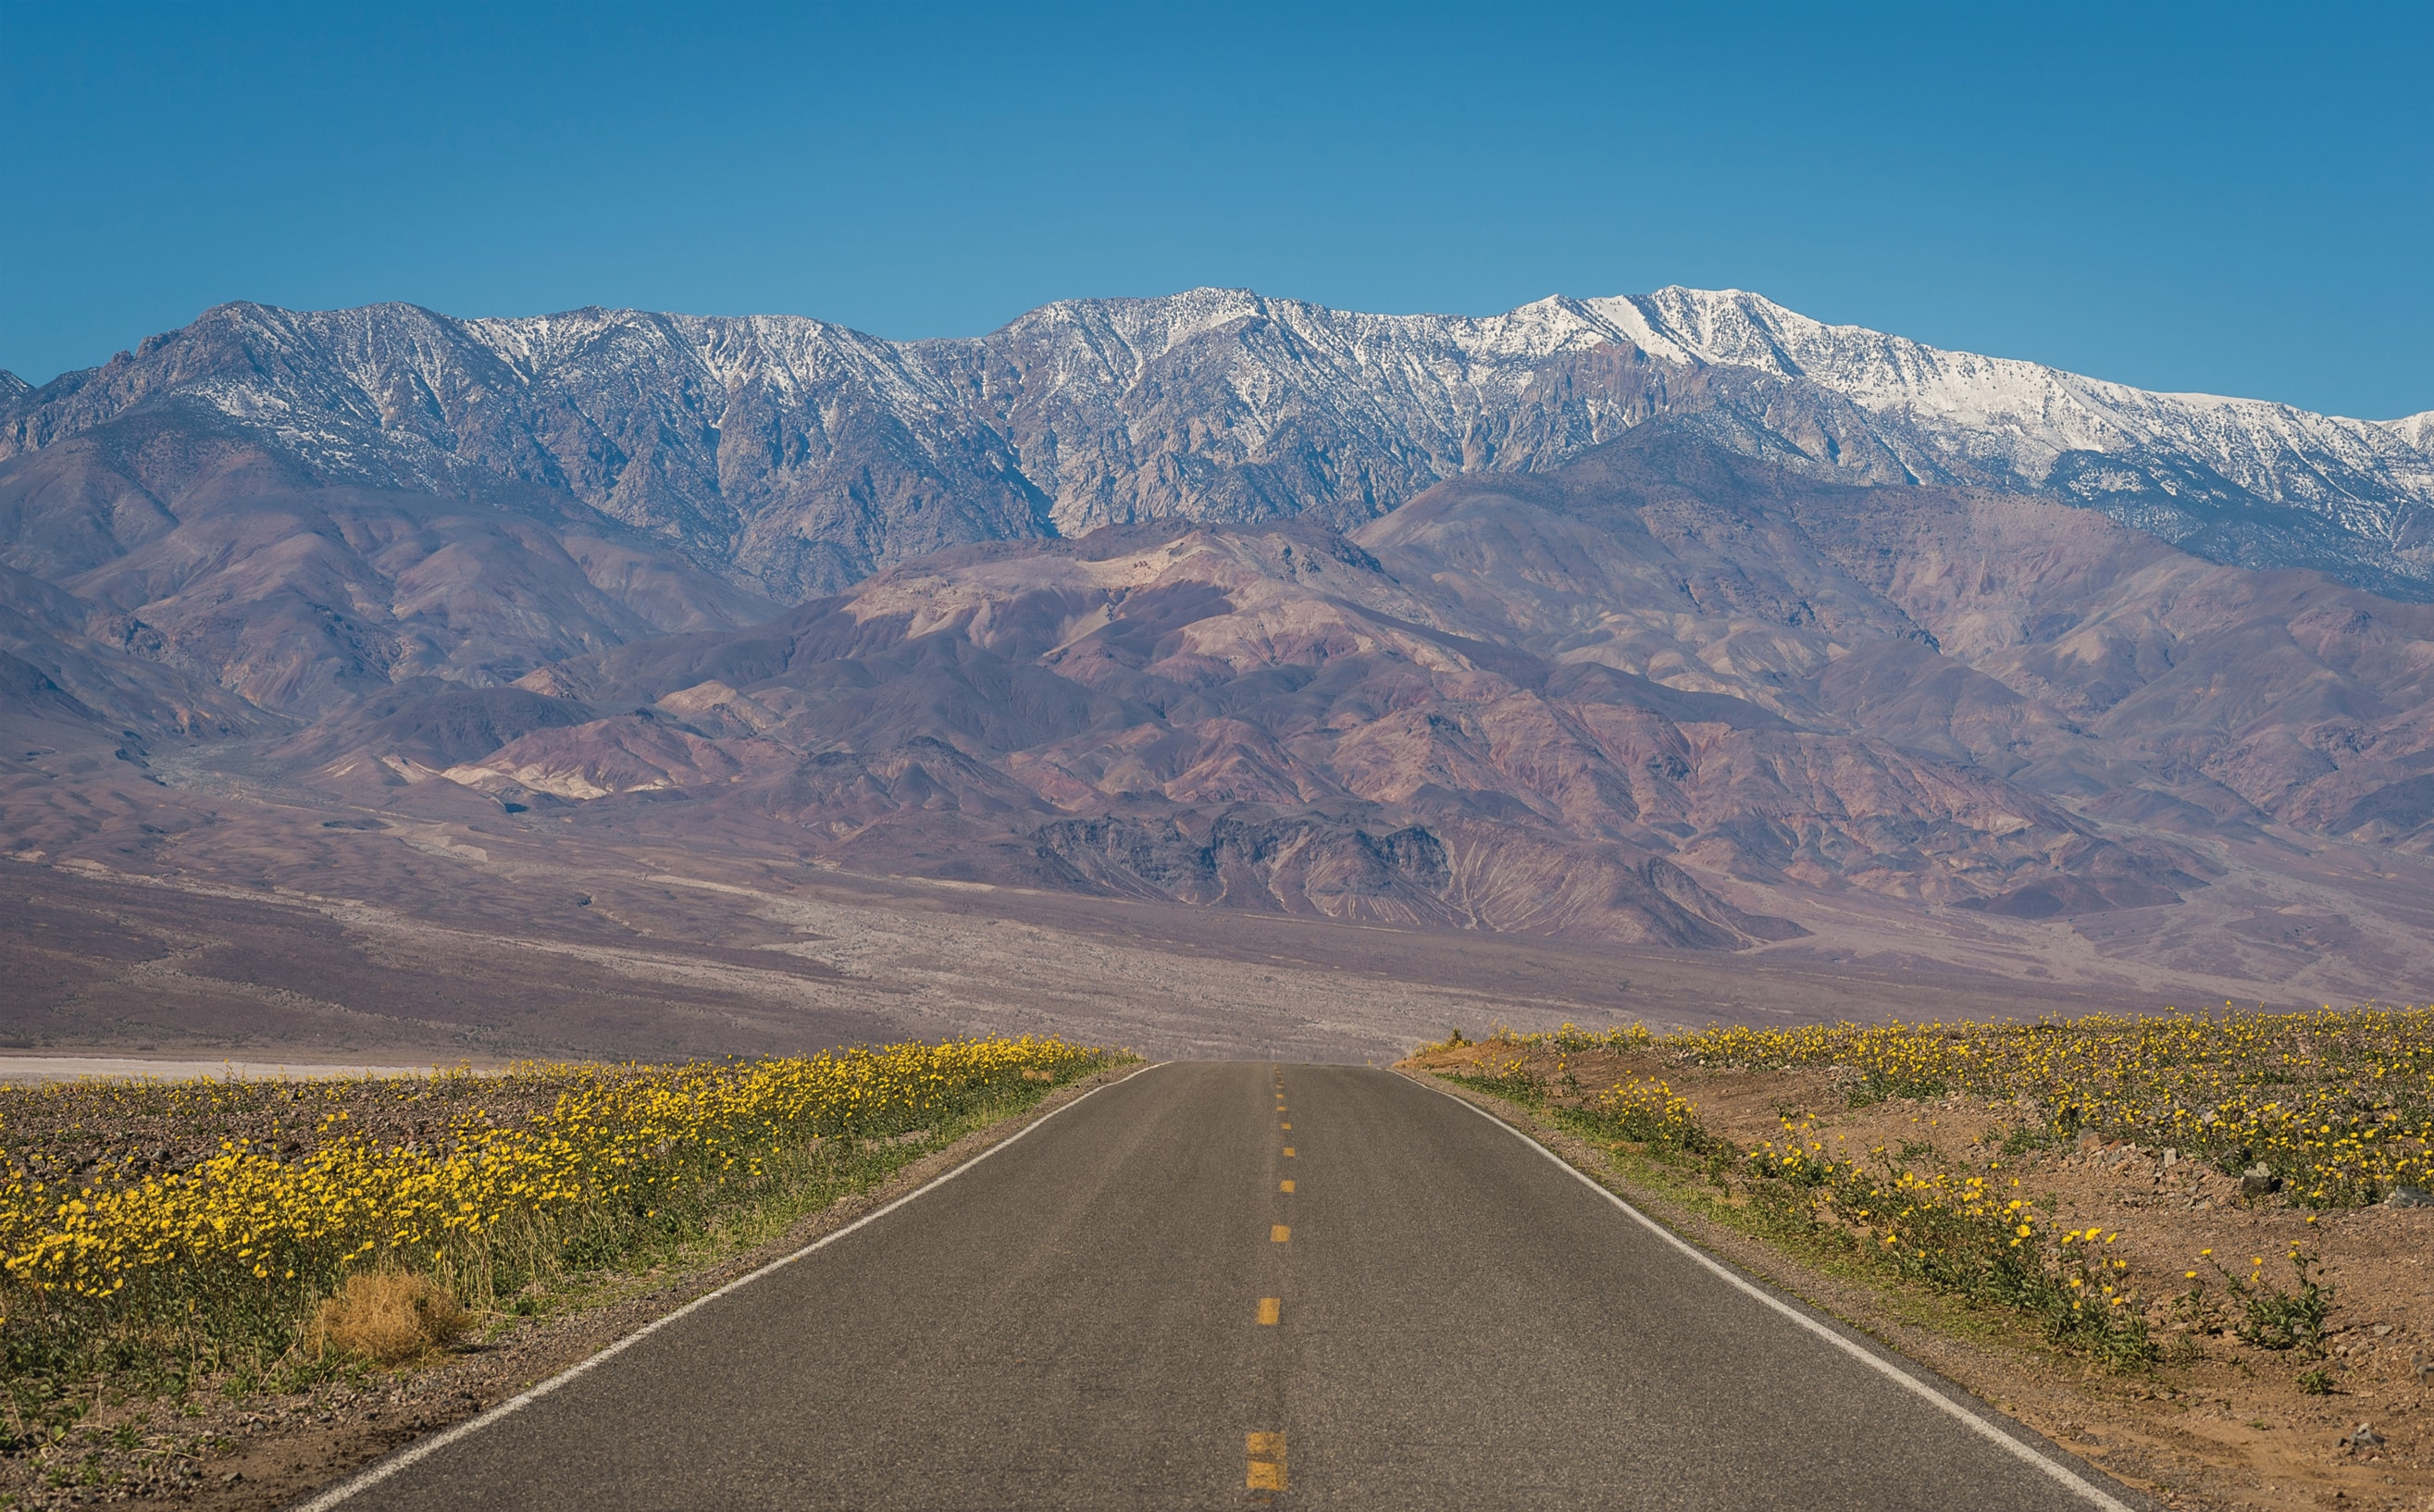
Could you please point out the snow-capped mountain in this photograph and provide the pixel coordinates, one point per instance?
(796, 456)
(1678, 619)
(2417, 430)
(2025, 424)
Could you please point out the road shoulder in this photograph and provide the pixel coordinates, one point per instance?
(2093, 1418)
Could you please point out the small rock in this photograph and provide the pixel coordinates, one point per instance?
(2171, 1158)
(2382, 1329)
(232, 1477)
(2258, 1181)
(2410, 1198)
(2089, 1142)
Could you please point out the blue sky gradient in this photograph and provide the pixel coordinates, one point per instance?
(2232, 198)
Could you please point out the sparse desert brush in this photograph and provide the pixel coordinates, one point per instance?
(2338, 1105)
(388, 1318)
(1653, 1113)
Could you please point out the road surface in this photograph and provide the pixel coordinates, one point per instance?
(1229, 1285)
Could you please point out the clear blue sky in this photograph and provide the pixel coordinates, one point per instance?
(2210, 196)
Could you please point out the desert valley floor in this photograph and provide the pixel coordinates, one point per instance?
(287, 928)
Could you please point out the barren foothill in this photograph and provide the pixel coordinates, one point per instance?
(272, 935)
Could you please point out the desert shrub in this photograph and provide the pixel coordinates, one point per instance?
(2272, 1318)
(388, 1318)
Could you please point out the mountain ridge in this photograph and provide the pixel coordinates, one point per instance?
(1673, 621)
(795, 456)
(1665, 695)
(1669, 695)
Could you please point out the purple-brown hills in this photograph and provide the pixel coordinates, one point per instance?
(1580, 703)
(1644, 683)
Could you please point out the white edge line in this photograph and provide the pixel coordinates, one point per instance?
(2064, 1473)
(415, 1454)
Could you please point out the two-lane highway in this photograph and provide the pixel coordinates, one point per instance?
(1220, 1285)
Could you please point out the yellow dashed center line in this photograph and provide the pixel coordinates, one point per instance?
(1266, 1451)
(1267, 1457)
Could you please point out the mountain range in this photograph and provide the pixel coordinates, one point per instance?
(793, 458)
(1678, 620)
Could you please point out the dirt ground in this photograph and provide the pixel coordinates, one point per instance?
(2219, 1423)
(411, 944)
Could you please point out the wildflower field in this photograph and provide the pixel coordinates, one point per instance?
(156, 1232)
(2339, 1105)
(2311, 1113)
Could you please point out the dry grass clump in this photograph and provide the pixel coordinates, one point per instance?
(389, 1317)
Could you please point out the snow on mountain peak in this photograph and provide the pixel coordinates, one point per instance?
(2417, 430)
(1214, 403)
(2020, 418)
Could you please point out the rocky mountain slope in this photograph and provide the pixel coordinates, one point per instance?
(1676, 621)
(182, 547)
(793, 457)
(1658, 697)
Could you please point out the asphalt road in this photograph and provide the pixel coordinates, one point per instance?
(1128, 1308)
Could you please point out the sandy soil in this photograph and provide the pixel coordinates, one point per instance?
(279, 940)
(35, 1070)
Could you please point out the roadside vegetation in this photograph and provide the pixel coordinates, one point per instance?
(2337, 1105)
(159, 1239)
(2146, 1192)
